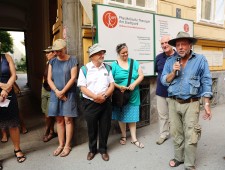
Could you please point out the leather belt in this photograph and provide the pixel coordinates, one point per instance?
(182, 101)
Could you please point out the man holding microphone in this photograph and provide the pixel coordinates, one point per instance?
(184, 90)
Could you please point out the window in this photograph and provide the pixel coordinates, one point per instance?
(211, 11)
(140, 4)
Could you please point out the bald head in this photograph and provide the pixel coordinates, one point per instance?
(165, 46)
(165, 38)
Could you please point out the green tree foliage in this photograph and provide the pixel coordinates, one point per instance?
(21, 65)
(6, 42)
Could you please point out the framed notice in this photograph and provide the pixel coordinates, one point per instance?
(165, 25)
(118, 25)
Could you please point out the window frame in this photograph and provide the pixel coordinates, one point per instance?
(211, 21)
(133, 5)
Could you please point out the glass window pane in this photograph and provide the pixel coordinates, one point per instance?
(123, 1)
(206, 9)
(219, 11)
(148, 4)
(140, 3)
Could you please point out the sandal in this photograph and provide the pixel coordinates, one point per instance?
(4, 140)
(45, 138)
(24, 130)
(1, 167)
(58, 151)
(138, 144)
(176, 163)
(65, 151)
(49, 137)
(20, 159)
(123, 140)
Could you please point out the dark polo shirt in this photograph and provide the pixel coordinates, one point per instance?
(161, 90)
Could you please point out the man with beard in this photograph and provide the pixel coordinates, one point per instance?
(188, 78)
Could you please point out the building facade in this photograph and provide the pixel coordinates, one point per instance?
(209, 28)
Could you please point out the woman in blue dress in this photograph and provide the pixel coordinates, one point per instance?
(9, 116)
(130, 112)
(62, 74)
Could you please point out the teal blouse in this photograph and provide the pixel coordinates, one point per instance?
(120, 76)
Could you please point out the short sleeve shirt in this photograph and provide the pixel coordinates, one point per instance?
(97, 79)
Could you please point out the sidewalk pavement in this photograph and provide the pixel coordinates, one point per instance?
(210, 153)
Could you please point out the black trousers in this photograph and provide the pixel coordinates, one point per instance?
(98, 117)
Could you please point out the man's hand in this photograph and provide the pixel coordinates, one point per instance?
(99, 98)
(208, 113)
(176, 66)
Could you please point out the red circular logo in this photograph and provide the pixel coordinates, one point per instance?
(186, 27)
(110, 19)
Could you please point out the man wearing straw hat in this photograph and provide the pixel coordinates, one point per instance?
(97, 85)
(188, 78)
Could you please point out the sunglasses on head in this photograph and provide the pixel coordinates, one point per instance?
(58, 51)
(121, 46)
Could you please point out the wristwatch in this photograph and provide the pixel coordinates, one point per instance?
(105, 96)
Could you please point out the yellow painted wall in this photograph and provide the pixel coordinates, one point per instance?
(215, 49)
(211, 38)
(57, 28)
(168, 8)
(86, 44)
(209, 32)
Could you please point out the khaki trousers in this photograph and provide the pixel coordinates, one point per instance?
(185, 130)
(45, 99)
(163, 112)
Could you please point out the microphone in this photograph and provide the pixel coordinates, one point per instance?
(177, 71)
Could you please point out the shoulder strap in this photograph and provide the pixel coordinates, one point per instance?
(130, 72)
(108, 67)
(84, 69)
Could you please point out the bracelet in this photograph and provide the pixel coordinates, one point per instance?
(55, 89)
(207, 104)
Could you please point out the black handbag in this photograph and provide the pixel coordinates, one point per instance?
(119, 98)
(1, 56)
(0, 66)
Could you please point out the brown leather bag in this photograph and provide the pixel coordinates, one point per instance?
(16, 88)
